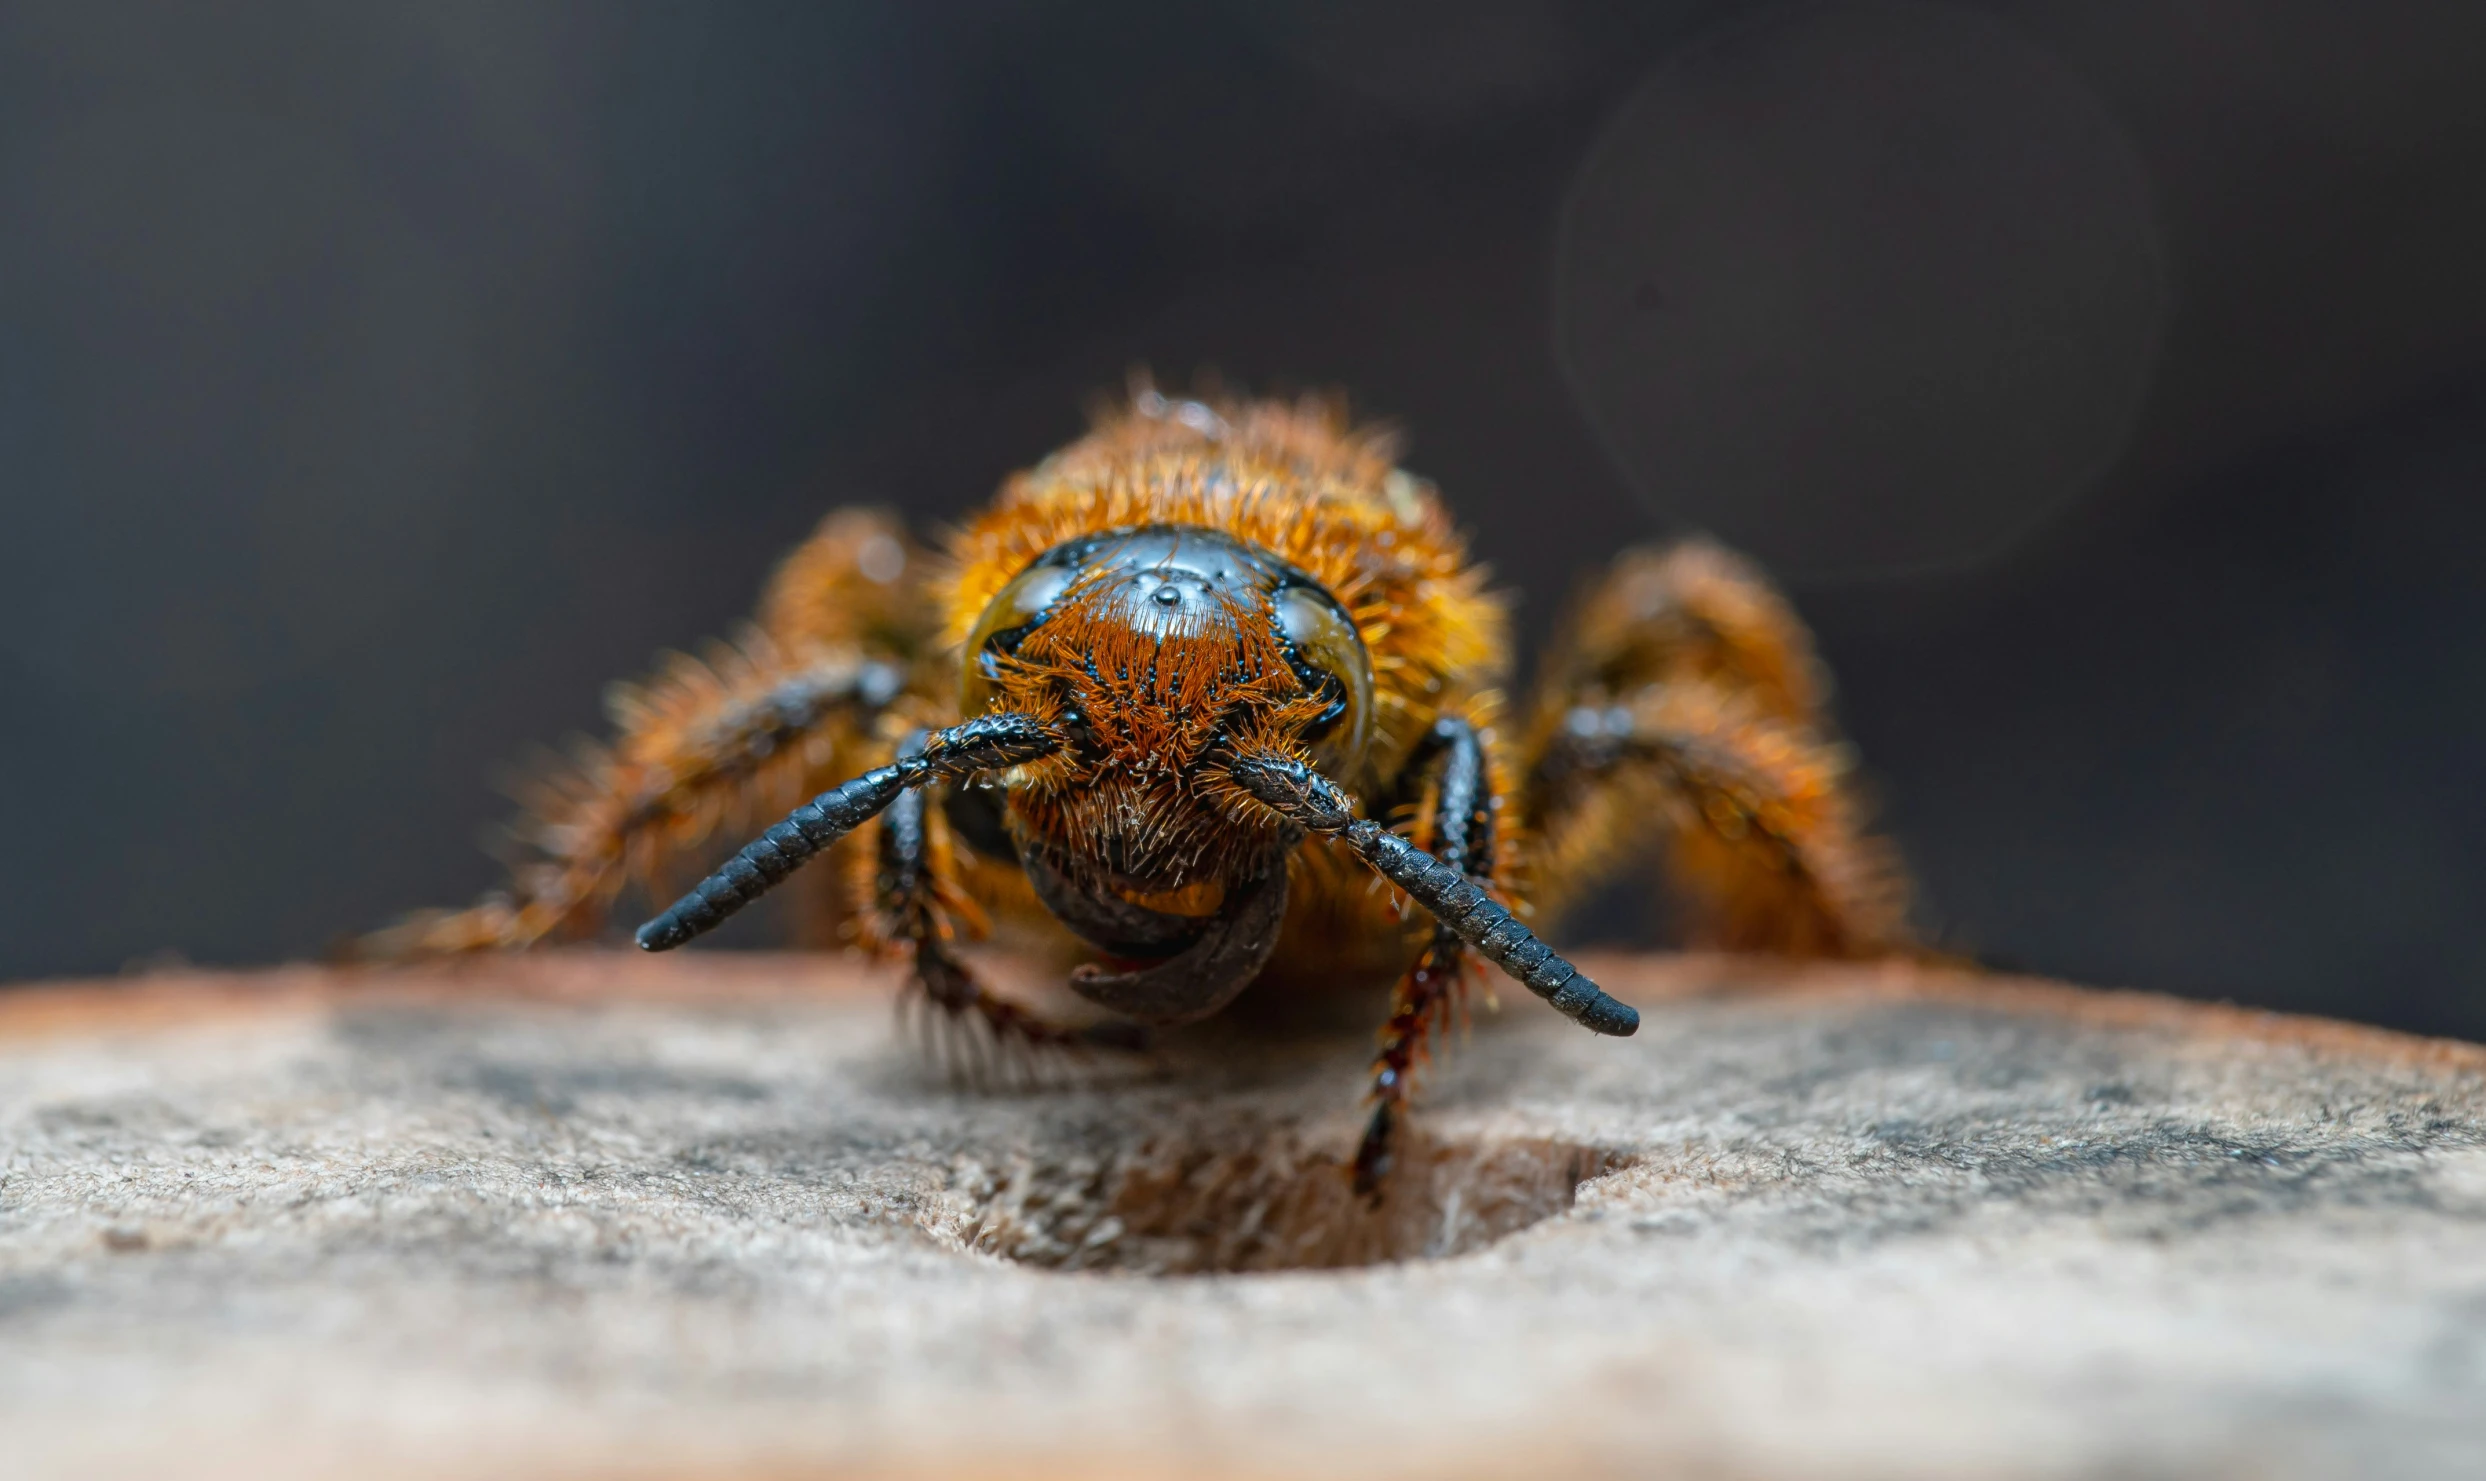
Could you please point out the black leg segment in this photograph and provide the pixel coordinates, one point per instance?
(907, 894)
(1461, 827)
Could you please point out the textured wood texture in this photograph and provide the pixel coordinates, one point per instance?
(589, 1215)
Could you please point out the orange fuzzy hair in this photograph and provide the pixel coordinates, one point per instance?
(1153, 706)
(1765, 838)
(1293, 479)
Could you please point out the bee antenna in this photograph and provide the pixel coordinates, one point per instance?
(989, 743)
(1316, 804)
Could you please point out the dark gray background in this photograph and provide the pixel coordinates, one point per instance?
(375, 382)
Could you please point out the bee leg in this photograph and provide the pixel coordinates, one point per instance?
(724, 740)
(1462, 838)
(710, 742)
(1682, 714)
(916, 903)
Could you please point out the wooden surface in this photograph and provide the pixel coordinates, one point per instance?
(593, 1215)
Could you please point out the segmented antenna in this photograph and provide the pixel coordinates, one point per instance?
(984, 744)
(773, 855)
(1314, 802)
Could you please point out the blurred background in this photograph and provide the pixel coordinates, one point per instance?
(2106, 377)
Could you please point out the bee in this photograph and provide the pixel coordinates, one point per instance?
(1212, 695)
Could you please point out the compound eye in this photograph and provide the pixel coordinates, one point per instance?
(1329, 657)
(1014, 612)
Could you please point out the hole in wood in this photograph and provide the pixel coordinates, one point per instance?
(1270, 1201)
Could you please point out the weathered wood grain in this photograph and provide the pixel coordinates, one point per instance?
(598, 1215)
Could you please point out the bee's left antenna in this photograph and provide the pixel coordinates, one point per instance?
(991, 743)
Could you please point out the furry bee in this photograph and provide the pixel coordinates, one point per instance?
(1213, 694)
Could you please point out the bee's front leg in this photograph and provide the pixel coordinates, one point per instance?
(917, 906)
(1461, 832)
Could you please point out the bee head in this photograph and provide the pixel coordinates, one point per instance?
(1151, 650)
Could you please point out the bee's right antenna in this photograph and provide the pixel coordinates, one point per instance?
(1314, 802)
(990, 743)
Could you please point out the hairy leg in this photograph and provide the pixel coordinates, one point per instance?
(1460, 833)
(859, 581)
(1682, 714)
(713, 742)
(1691, 612)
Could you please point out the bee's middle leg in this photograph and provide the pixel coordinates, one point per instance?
(1462, 834)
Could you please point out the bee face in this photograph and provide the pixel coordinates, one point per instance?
(1151, 648)
(1136, 625)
